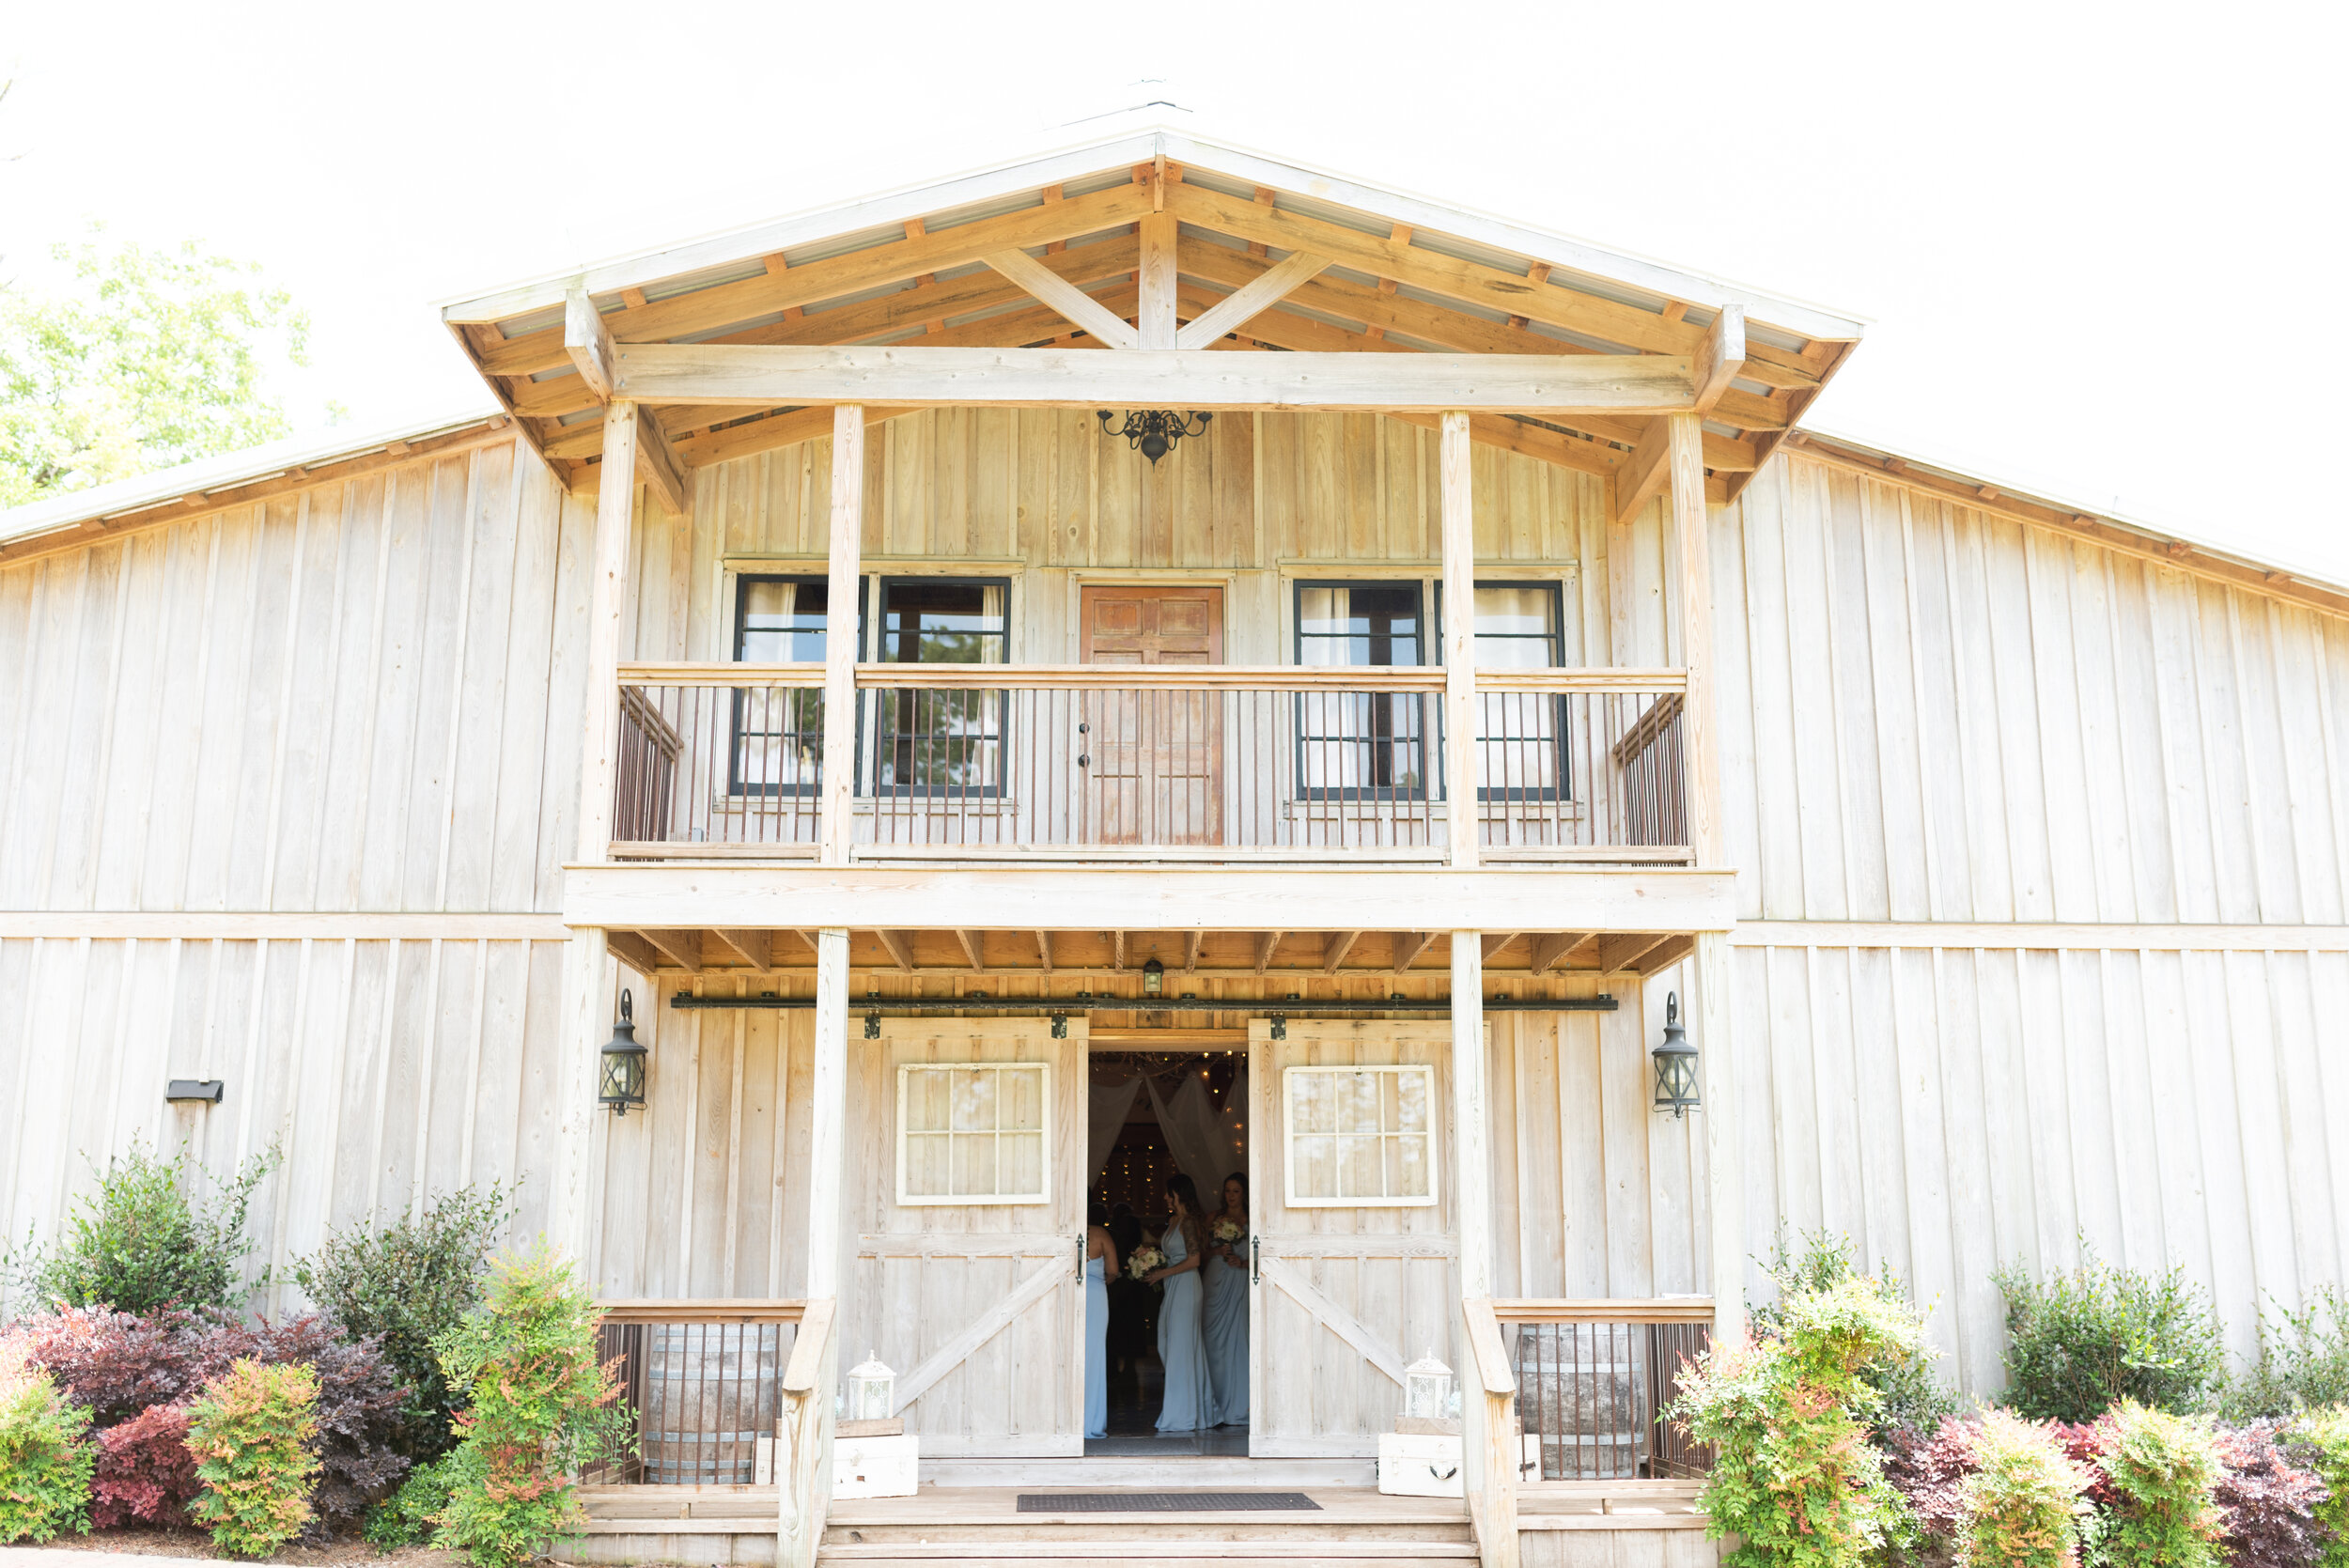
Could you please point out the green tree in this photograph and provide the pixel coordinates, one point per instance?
(149, 357)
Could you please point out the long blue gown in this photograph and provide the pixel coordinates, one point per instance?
(1224, 1329)
(1096, 1350)
(1190, 1398)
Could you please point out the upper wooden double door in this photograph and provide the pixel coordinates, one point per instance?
(1153, 760)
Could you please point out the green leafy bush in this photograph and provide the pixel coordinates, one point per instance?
(2080, 1342)
(147, 1240)
(251, 1434)
(539, 1407)
(45, 1461)
(405, 1518)
(2162, 1473)
(1788, 1415)
(1911, 1397)
(2022, 1504)
(408, 1284)
(2323, 1437)
(2303, 1364)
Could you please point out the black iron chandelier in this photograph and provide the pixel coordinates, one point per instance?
(1155, 431)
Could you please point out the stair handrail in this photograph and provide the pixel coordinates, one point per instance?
(804, 1436)
(1492, 1497)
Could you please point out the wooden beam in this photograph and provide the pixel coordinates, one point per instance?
(1666, 953)
(900, 949)
(634, 951)
(1409, 945)
(1493, 942)
(1265, 943)
(1334, 947)
(972, 949)
(755, 376)
(1641, 478)
(1621, 952)
(1720, 356)
(1155, 310)
(659, 465)
(1548, 950)
(1190, 951)
(1463, 757)
(682, 948)
(1077, 308)
(1251, 300)
(588, 343)
(755, 948)
(1117, 950)
(845, 583)
(1044, 950)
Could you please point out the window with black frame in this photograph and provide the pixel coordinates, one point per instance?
(1359, 745)
(942, 742)
(778, 731)
(1520, 736)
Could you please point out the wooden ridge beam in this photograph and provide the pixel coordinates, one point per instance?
(813, 282)
(760, 377)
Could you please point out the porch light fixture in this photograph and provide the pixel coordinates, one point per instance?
(1676, 1065)
(1153, 978)
(624, 1063)
(1153, 432)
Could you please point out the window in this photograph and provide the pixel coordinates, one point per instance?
(972, 1133)
(1520, 736)
(1361, 1137)
(778, 731)
(1359, 745)
(938, 741)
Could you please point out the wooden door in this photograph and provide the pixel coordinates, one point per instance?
(976, 1305)
(1156, 765)
(1352, 1285)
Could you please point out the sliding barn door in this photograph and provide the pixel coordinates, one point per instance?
(1350, 1180)
(968, 1190)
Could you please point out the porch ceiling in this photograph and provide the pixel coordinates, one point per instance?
(1338, 956)
(1457, 285)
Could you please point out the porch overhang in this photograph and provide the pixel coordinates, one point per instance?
(687, 895)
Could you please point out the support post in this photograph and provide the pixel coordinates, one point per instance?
(828, 1103)
(1488, 1443)
(1693, 571)
(587, 1023)
(843, 636)
(1459, 641)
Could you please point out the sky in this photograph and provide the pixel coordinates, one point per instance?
(2099, 244)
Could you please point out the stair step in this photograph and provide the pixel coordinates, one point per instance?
(1368, 1552)
(1086, 1550)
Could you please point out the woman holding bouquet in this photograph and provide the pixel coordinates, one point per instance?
(1225, 1321)
(1188, 1395)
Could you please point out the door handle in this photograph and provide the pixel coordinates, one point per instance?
(1080, 1257)
(1256, 1275)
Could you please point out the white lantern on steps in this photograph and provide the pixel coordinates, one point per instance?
(872, 1386)
(1427, 1389)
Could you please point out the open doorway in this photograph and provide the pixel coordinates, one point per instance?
(1157, 1116)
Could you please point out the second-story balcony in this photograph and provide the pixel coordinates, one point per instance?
(1222, 764)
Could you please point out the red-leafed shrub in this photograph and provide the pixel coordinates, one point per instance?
(117, 1364)
(360, 1401)
(146, 1474)
(1929, 1471)
(2267, 1504)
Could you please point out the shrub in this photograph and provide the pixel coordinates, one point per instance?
(146, 1240)
(2022, 1504)
(1929, 1471)
(2303, 1364)
(2080, 1342)
(1911, 1397)
(2324, 1436)
(405, 1518)
(2161, 1471)
(1794, 1475)
(540, 1407)
(251, 1434)
(145, 1472)
(408, 1285)
(44, 1462)
(2266, 1503)
(117, 1364)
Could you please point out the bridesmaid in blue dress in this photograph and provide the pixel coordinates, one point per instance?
(1225, 1322)
(1188, 1395)
(1100, 1262)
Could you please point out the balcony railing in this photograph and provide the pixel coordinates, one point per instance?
(1160, 763)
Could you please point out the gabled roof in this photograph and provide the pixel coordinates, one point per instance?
(1409, 274)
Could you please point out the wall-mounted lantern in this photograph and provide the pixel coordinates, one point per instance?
(871, 1387)
(623, 1063)
(1153, 978)
(1676, 1065)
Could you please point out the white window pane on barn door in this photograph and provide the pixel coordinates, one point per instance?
(972, 1133)
(1360, 1137)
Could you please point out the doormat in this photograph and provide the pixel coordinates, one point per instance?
(1163, 1503)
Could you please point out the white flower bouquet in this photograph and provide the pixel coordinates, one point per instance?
(1228, 1231)
(1143, 1260)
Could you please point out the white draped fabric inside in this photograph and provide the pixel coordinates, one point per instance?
(1106, 1117)
(1205, 1141)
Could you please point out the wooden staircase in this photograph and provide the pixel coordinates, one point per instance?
(982, 1528)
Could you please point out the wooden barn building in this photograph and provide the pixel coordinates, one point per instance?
(1153, 658)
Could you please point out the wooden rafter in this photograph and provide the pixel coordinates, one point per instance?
(755, 948)
(1495, 940)
(634, 951)
(1265, 943)
(1334, 947)
(1544, 950)
(1044, 950)
(1191, 940)
(1409, 945)
(900, 948)
(972, 948)
(681, 948)
(1619, 952)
